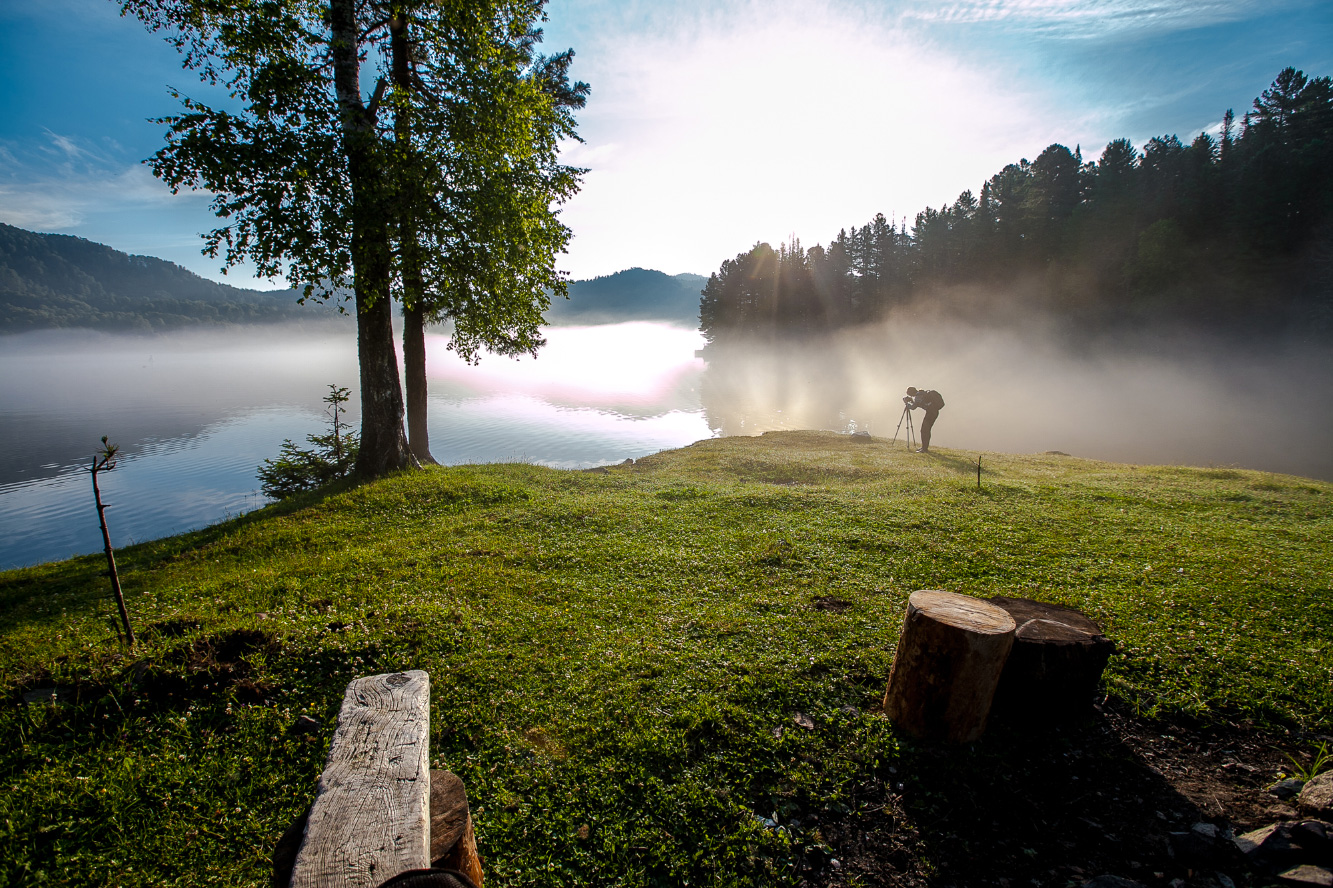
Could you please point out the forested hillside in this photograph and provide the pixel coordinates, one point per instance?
(1233, 232)
(54, 280)
(635, 294)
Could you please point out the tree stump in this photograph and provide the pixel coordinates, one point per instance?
(947, 666)
(1055, 665)
(453, 845)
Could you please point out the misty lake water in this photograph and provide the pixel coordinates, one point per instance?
(196, 412)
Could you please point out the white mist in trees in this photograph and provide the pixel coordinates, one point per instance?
(315, 183)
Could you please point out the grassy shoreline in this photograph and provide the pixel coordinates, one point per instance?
(616, 656)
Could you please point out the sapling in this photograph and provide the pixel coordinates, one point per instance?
(104, 461)
(333, 456)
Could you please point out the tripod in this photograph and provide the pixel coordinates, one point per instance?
(907, 415)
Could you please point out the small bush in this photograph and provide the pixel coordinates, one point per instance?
(333, 455)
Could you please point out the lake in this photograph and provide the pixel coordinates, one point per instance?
(196, 412)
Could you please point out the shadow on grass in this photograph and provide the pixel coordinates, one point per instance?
(1046, 808)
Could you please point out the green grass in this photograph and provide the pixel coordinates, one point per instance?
(621, 651)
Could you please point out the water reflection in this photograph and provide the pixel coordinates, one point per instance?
(196, 413)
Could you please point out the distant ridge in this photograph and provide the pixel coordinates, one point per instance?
(58, 281)
(55, 280)
(635, 294)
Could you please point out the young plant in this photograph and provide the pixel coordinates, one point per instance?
(1322, 759)
(104, 461)
(332, 456)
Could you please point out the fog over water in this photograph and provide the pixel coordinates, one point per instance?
(1167, 399)
(196, 412)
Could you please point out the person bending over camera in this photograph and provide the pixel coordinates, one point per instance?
(929, 401)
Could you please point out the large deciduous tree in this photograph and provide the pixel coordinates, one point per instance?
(446, 201)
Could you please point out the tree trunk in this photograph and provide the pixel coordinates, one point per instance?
(414, 315)
(1055, 666)
(383, 444)
(947, 666)
(414, 364)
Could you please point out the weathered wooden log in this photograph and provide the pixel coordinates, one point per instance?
(1055, 665)
(370, 818)
(947, 666)
(453, 845)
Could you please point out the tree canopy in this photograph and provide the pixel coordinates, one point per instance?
(436, 186)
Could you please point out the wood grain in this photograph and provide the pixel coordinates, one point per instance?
(370, 819)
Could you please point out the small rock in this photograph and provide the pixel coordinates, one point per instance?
(1224, 880)
(850, 712)
(1316, 838)
(306, 725)
(1306, 875)
(1205, 830)
(835, 863)
(1112, 882)
(1316, 797)
(1286, 789)
(803, 721)
(1282, 812)
(1269, 848)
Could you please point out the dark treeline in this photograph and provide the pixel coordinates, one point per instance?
(1226, 232)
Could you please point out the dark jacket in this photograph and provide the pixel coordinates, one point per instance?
(928, 400)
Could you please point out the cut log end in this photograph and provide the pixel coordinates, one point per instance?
(1056, 664)
(948, 663)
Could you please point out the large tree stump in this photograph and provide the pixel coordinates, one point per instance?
(948, 664)
(453, 845)
(1055, 665)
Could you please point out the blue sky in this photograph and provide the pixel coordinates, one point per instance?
(711, 125)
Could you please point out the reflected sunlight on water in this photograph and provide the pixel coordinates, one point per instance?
(197, 412)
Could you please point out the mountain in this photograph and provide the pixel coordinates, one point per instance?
(54, 280)
(635, 294)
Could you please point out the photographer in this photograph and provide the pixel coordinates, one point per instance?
(929, 401)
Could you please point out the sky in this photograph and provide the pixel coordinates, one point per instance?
(711, 126)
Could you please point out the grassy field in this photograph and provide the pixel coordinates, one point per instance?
(617, 656)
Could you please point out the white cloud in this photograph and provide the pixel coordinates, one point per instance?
(1086, 18)
(727, 129)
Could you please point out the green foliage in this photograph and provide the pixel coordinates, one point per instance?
(1320, 759)
(624, 650)
(333, 456)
